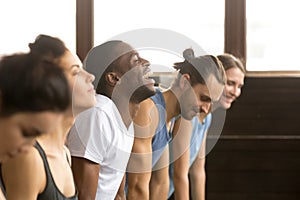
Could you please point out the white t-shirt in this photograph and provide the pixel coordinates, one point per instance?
(100, 135)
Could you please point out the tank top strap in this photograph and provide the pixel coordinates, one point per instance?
(45, 161)
(2, 186)
(158, 98)
(51, 191)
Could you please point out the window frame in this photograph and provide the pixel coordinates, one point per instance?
(235, 39)
(84, 27)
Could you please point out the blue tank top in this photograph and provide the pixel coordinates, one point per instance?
(197, 136)
(162, 136)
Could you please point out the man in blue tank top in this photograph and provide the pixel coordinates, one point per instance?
(191, 161)
(200, 81)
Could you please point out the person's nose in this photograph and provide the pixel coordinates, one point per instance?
(236, 92)
(205, 107)
(145, 62)
(90, 77)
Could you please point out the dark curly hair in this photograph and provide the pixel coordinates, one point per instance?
(29, 83)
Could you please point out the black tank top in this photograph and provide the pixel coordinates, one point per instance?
(2, 188)
(51, 191)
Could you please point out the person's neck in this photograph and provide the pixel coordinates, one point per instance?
(172, 103)
(55, 141)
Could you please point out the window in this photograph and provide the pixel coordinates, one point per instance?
(272, 35)
(22, 21)
(200, 20)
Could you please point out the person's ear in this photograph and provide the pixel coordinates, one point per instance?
(184, 81)
(112, 78)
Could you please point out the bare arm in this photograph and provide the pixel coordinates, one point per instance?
(20, 176)
(159, 184)
(198, 175)
(139, 170)
(181, 153)
(86, 175)
(140, 163)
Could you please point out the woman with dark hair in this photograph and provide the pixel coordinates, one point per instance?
(34, 93)
(50, 158)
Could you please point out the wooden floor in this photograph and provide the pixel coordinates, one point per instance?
(258, 154)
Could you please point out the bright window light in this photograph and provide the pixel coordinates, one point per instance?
(200, 20)
(21, 21)
(273, 35)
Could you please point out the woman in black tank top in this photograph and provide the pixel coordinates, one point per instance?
(44, 172)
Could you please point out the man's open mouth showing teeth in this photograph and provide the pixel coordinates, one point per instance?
(147, 74)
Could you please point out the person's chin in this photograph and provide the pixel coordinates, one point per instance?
(151, 87)
(142, 93)
(189, 115)
(226, 105)
(148, 83)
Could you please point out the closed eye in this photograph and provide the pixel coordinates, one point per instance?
(230, 83)
(31, 133)
(75, 69)
(205, 99)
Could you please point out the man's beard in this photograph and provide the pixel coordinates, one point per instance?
(141, 94)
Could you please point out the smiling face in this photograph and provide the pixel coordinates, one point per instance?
(233, 87)
(135, 75)
(80, 81)
(18, 131)
(198, 98)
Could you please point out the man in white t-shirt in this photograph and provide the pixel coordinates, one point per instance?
(101, 139)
